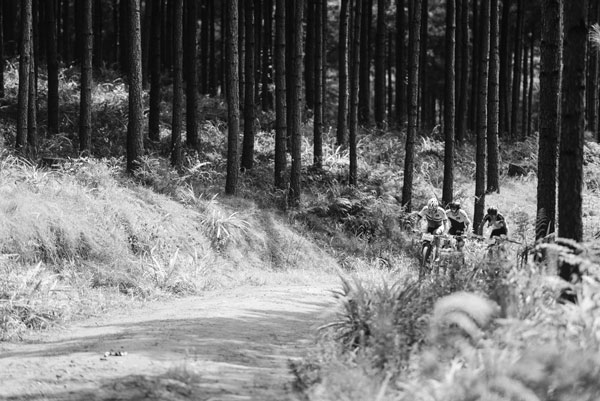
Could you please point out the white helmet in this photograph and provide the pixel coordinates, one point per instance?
(432, 203)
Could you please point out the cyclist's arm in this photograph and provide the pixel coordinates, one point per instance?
(467, 220)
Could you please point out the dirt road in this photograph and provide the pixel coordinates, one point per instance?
(229, 345)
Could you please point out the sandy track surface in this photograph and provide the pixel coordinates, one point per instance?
(229, 345)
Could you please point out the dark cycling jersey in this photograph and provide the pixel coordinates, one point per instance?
(498, 224)
(458, 221)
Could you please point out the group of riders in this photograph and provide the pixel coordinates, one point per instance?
(455, 221)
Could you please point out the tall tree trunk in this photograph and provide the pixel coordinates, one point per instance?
(354, 72)
(146, 36)
(525, 86)
(462, 99)
(296, 96)
(379, 107)
(591, 103)
(364, 88)
(341, 137)
(475, 62)
(124, 35)
(24, 69)
(400, 62)
(51, 56)
(85, 103)
(191, 89)
(570, 171)
(318, 99)
(530, 94)
(412, 97)
(135, 139)
(247, 161)
(155, 61)
(266, 93)
(257, 49)
(424, 98)
(516, 84)
(309, 58)
(484, 30)
(66, 32)
(97, 14)
(2, 63)
(449, 106)
(550, 83)
(176, 125)
(504, 87)
(204, 34)
(493, 174)
(233, 101)
(280, 96)
(32, 133)
(212, 55)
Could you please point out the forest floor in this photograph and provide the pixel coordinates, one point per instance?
(224, 345)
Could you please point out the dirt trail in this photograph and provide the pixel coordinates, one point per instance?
(230, 345)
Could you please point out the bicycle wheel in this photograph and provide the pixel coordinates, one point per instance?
(425, 256)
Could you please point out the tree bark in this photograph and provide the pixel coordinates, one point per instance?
(98, 27)
(309, 58)
(550, 83)
(32, 132)
(233, 101)
(412, 96)
(266, 95)
(247, 161)
(155, 58)
(461, 110)
(146, 37)
(504, 86)
(449, 105)
(354, 70)
(484, 30)
(191, 89)
(24, 69)
(124, 35)
(364, 88)
(280, 96)
(570, 176)
(85, 103)
(318, 99)
(296, 96)
(135, 139)
(493, 174)
(342, 125)
(423, 94)
(380, 36)
(400, 62)
(52, 63)
(176, 125)
(516, 84)
(2, 62)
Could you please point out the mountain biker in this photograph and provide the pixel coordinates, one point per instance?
(496, 221)
(459, 222)
(437, 221)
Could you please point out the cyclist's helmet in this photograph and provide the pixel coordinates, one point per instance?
(455, 205)
(432, 203)
(492, 211)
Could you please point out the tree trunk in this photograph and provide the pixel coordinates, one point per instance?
(318, 99)
(32, 133)
(135, 139)
(154, 118)
(530, 94)
(124, 35)
(204, 46)
(425, 99)
(266, 93)
(364, 89)
(461, 111)
(66, 32)
(493, 174)
(309, 58)
(591, 103)
(570, 176)
(233, 100)
(484, 30)
(280, 96)
(85, 103)
(379, 107)
(354, 71)
(247, 161)
(191, 89)
(176, 125)
(504, 86)
(475, 62)
(516, 84)
(146, 36)
(212, 55)
(341, 136)
(296, 96)
(98, 27)
(525, 86)
(51, 56)
(2, 63)
(400, 63)
(449, 106)
(550, 83)
(413, 80)
(24, 69)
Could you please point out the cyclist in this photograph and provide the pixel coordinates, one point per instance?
(459, 222)
(496, 221)
(437, 221)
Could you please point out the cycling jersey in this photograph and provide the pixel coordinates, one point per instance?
(458, 221)
(497, 223)
(435, 218)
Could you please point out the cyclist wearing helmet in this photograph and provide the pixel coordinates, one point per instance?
(437, 221)
(496, 221)
(459, 221)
